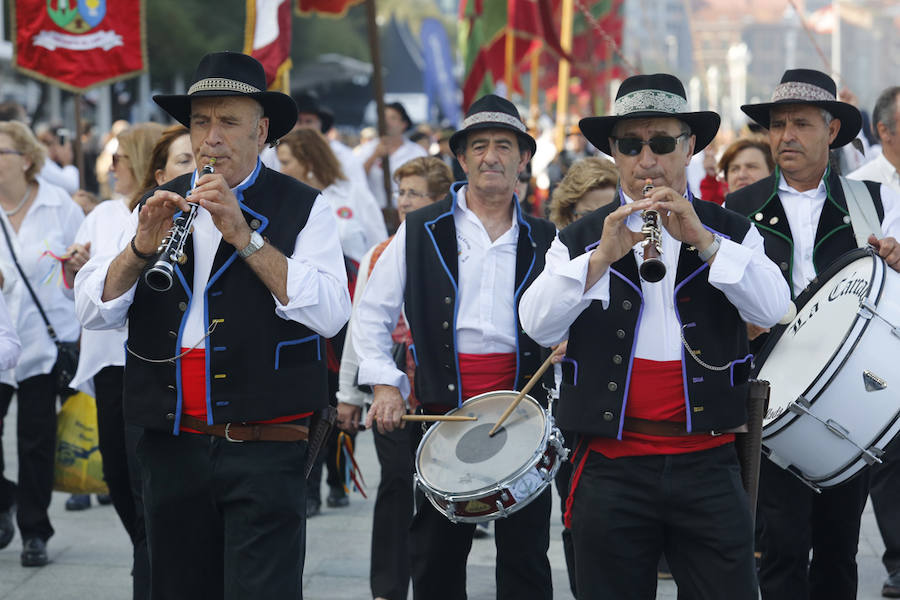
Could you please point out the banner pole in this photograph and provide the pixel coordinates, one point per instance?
(76, 141)
(391, 218)
(562, 87)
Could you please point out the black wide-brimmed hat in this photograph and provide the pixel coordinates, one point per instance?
(658, 96)
(808, 86)
(492, 112)
(309, 103)
(232, 74)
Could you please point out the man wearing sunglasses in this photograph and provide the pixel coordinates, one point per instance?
(655, 374)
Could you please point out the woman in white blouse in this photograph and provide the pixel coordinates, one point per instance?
(147, 155)
(39, 222)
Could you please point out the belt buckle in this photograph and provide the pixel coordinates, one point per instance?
(228, 435)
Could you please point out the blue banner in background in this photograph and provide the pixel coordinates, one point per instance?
(440, 86)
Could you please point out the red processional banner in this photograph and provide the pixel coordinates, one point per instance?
(334, 8)
(79, 44)
(267, 38)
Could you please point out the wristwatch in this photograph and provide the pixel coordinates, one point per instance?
(256, 242)
(708, 252)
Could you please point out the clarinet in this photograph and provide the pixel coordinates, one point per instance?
(171, 251)
(653, 268)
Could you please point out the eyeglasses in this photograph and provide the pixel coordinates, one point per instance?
(116, 158)
(9, 151)
(661, 144)
(414, 195)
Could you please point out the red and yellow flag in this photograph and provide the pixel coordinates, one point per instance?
(324, 7)
(267, 38)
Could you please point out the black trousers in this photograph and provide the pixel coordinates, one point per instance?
(36, 445)
(224, 520)
(439, 549)
(885, 491)
(392, 514)
(797, 520)
(563, 479)
(120, 469)
(627, 511)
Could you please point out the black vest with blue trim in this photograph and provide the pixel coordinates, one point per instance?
(431, 298)
(592, 399)
(258, 365)
(834, 233)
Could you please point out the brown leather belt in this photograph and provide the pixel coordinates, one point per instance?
(243, 432)
(670, 428)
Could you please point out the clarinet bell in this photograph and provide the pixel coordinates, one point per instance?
(653, 270)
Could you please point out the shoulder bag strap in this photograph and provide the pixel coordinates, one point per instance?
(50, 330)
(861, 207)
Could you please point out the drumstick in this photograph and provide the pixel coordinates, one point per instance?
(525, 390)
(427, 419)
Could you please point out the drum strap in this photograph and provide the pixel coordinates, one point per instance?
(863, 217)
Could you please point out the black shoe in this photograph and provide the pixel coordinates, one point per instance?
(481, 531)
(78, 502)
(104, 499)
(313, 507)
(7, 528)
(34, 553)
(662, 569)
(337, 498)
(891, 587)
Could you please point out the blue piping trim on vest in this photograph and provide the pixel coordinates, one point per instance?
(412, 349)
(735, 362)
(239, 194)
(566, 359)
(633, 347)
(176, 428)
(280, 345)
(427, 226)
(522, 221)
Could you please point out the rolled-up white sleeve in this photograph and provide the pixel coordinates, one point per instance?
(316, 277)
(750, 280)
(91, 310)
(557, 296)
(377, 314)
(348, 391)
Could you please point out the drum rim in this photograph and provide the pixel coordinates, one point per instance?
(800, 302)
(530, 464)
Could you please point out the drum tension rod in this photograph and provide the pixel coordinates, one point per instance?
(801, 406)
(867, 310)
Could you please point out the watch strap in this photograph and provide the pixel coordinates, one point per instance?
(708, 252)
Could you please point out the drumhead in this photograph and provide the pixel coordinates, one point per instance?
(799, 358)
(457, 458)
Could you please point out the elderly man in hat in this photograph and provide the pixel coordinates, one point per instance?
(232, 351)
(655, 375)
(802, 213)
(477, 252)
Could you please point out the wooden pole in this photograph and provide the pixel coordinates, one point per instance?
(562, 87)
(390, 213)
(510, 52)
(534, 110)
(76, 141)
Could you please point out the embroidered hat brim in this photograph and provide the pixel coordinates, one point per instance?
(223, 74)
(659, 96)
(813, 88)
(492, 112)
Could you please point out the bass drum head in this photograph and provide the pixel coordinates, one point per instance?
(459, 458)
(796, 357)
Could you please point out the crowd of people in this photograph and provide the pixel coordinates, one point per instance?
(304, 284)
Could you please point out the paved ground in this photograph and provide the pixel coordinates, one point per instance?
(91, 557)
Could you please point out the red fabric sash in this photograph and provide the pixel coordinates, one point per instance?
(481, 373)
(656, 393)
(193, 389)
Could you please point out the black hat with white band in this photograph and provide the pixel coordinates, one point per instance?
(657, 96)
(232, 74)
(492, 112)
(808, 86)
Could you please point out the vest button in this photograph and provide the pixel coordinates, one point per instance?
(445, 325)
(451, 387)
(254, 224)
(612, 386)
(182, 306)
(626, 304)
(608, 416)
(784, 266)
(617, 359)
(447, 300)
(170, 417)
(620, 333)
(446, 346)
(173, 334)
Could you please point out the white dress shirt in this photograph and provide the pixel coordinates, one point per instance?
(10, 347)
(880, 170)
(360, 223)
(103, 227)
(750, 281)
(49, 227)
(485, 319)
(406, 152)
(316, 278)
(348, 391)
(803, 210)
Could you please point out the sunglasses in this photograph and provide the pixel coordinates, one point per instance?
(661, 144)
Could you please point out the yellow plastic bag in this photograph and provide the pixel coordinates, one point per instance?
(79, 468)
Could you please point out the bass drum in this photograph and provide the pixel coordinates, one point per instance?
(472, 477)
(834, 403)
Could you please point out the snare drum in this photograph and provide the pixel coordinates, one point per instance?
(834, 404)
(472, 477)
